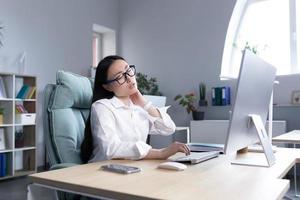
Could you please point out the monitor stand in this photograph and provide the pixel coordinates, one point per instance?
(259, 149)
(262, 160)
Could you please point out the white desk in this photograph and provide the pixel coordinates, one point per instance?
(292, 137)
(213, 179)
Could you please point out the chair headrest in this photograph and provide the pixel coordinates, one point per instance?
(72, 90)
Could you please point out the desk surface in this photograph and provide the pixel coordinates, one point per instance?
(213, 179)
(290, 137)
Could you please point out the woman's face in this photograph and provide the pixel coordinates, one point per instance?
(123, 85)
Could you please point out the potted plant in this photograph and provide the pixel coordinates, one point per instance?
(188, 101)
(149, 88)
(202, 94)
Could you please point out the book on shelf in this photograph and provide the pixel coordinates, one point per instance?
(27, 88)
(26, 92)
(2, 89)
(19, 139)
(20, 109)
(3, 164)
(18, 160)
(30, 92)
(22, 91)
(2, 139)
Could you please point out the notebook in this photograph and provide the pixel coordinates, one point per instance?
(200, 147)
(195, 158)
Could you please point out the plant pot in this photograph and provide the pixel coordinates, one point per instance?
(202, 102)
(198, 115)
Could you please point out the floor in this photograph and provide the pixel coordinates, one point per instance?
(291, 192)
(16, 189)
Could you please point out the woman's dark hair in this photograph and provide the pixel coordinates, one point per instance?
(99, 92)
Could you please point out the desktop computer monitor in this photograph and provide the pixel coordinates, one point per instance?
(253, 94)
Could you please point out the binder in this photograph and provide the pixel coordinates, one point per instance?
(1, 155)
(218, 92)
(2, 164)
(228, 94)
(224, 96)
(220, 96)
(213, 96)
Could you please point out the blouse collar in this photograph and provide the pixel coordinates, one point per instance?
(117, 103)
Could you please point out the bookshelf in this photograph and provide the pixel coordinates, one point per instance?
(19, 128)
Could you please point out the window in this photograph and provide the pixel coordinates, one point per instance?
(97, 48)
(298, 33)
(103, 44)
(268, 28)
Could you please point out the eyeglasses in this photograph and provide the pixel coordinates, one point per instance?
(122, 78)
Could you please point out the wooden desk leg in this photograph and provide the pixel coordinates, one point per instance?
(295, 177)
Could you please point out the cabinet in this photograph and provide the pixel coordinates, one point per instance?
(215, 131)
(18, 157)
(182, 134)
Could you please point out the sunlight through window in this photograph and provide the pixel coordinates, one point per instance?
(298, 33)
(265, 30)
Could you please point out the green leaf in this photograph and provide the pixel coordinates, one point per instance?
(181, 102)
(148, 86)
(177, 97)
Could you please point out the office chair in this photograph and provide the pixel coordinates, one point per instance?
(66, 108)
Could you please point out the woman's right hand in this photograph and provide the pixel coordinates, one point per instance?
(174, 148)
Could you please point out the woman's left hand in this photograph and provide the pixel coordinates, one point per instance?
(138, 99)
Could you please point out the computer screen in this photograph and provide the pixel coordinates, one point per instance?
(253, 94)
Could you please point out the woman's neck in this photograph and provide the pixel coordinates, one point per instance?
(125, 100)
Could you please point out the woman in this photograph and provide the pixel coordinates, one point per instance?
(121, 118)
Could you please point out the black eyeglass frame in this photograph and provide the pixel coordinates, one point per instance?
(131, 67)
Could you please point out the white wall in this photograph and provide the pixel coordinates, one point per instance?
(283, 90)
(56, 35)
(179, 42)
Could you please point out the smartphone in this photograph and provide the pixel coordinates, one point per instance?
(122, 169)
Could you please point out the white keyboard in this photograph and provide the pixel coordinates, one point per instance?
(194, 158)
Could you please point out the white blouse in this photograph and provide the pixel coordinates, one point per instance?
(120, 131)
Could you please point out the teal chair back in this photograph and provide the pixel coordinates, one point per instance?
(66, 109)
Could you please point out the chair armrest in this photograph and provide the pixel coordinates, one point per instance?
(62, 165)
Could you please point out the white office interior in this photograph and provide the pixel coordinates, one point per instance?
(181, 43)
